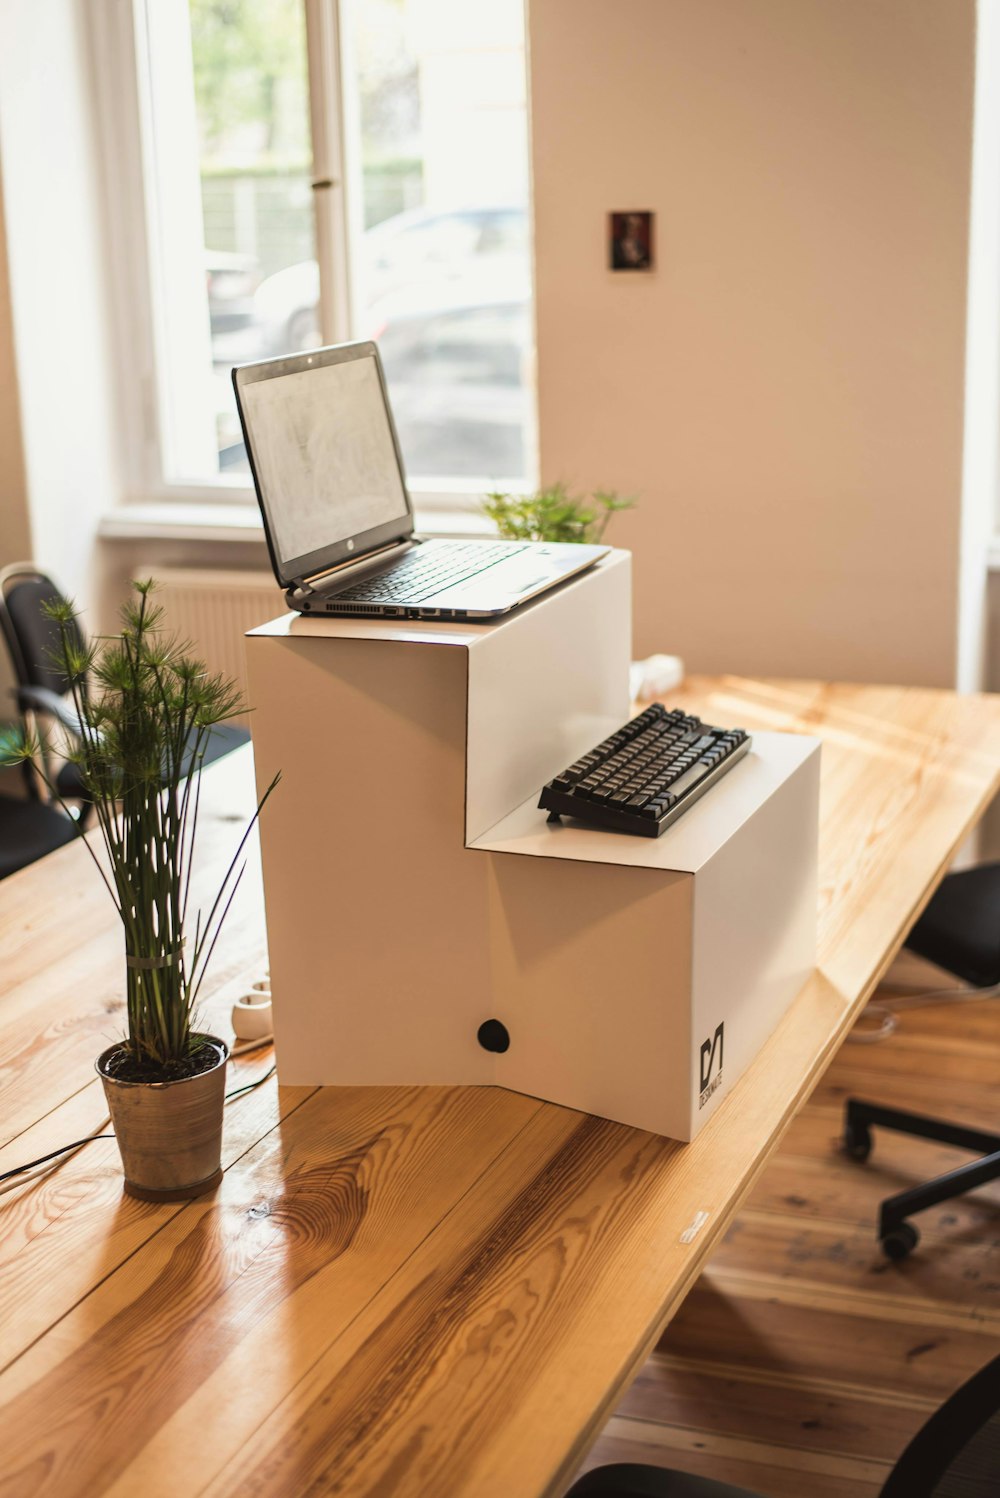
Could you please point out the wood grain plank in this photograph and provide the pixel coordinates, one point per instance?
(820, 1126)
(857, 1347)
(770, 1471)
(303, 1227)
(665, 1188)
(62, 974)
(833, 1188)
(664, 1367)
(906, 773)
(760, 1356)
(847, 1257)
(848, 1300)
(402, 1351)
(942, 1024)
(642, 1247)
(777, 1411)
(71, 1226)
(936, 1057)
(452, 1345)
(974, 1100)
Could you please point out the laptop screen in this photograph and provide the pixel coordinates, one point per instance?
(324, 456)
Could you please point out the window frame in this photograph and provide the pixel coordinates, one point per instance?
(118, 35)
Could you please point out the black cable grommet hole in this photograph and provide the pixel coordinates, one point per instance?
(493, 1036)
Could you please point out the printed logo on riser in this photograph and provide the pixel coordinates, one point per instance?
(709, 1049)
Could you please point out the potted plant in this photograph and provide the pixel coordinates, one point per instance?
(146, 708)
(553, 514)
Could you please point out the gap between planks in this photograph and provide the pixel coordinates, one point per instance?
(795, 1382)
(813, 1295)
(815, 1462)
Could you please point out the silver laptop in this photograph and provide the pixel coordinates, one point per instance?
(327, 469)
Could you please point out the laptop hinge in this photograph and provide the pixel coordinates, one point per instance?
(308, 587)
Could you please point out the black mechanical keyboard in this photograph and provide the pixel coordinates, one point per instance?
(646, 775)
(426, 570)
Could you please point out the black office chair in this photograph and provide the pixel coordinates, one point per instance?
(955, 1455)
(28, 831)
(43, 688)
(960, 932)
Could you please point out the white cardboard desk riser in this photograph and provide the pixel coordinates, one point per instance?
(413, 890)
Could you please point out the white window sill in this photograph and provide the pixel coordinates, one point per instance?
(177, 521)
(182, 522)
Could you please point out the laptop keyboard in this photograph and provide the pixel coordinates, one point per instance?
(425, 571)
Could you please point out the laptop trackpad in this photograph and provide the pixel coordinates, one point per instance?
(494, 588)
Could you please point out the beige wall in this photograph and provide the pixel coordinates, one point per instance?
(54, 257)
(785, 391)
(15, 524)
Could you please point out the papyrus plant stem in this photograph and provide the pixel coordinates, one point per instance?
(146, 708)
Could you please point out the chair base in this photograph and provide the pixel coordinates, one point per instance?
(897, 1235)
(636, 1480)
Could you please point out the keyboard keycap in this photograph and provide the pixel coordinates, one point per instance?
(689, 778)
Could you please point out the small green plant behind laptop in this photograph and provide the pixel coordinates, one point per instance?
(553, 514)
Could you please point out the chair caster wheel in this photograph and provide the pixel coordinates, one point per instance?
(900, 1241)
(857, 1141)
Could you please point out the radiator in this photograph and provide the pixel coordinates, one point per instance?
(213, 609)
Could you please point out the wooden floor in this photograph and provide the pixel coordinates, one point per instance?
(803, 1360)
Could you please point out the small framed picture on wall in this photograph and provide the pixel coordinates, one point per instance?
(630, 240)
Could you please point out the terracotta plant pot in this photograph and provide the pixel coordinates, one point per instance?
(169, 1133)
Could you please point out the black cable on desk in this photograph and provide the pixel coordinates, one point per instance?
(249, 1086)
(65, 1149)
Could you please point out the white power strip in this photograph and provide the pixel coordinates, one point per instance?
(655, 677)
(252, 1014)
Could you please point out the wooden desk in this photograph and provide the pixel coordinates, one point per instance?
(427, 1292)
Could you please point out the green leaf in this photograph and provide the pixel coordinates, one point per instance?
(553, 514)
(142, 699)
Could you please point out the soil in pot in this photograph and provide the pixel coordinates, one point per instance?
(122, 1066)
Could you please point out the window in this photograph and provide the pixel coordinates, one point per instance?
(319, 171)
